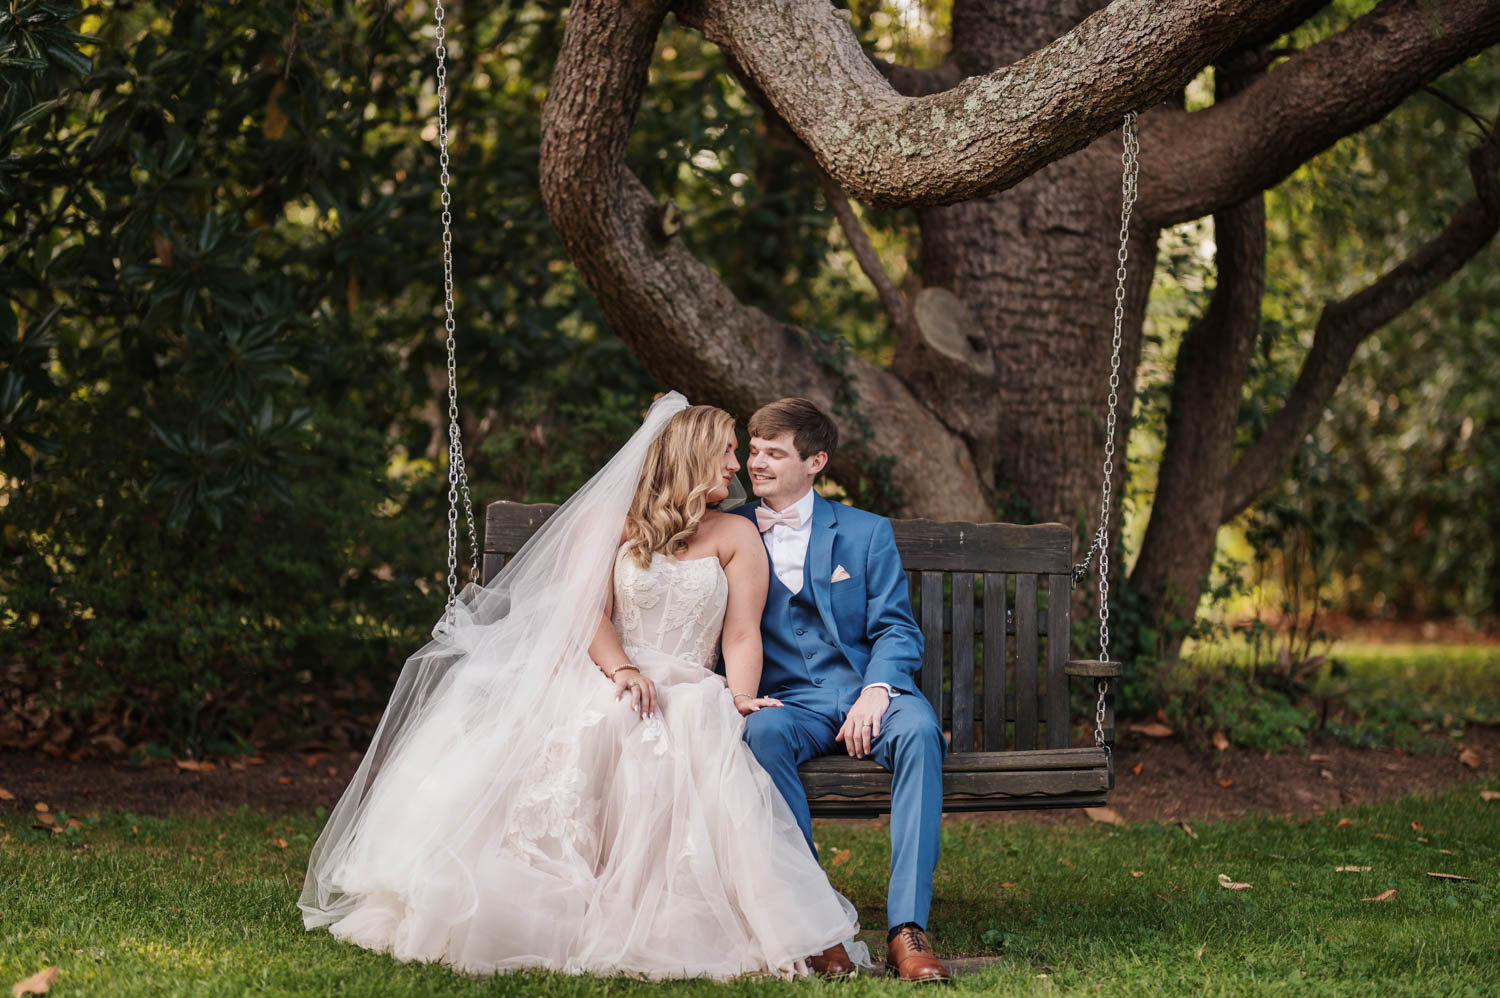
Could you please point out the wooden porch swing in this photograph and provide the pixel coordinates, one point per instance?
(993, 601)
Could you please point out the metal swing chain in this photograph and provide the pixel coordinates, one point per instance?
(458, 473)
(1130, 161)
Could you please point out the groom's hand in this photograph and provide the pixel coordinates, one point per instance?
(862, 726)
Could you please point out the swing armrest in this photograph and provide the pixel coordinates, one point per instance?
(1092, 668)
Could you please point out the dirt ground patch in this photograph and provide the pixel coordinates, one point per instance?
(1158, 779)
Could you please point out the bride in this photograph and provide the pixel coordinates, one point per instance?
(559, 780)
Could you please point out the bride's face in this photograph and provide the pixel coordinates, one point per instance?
(728, 465)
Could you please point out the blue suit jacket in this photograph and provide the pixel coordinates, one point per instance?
(868, 614)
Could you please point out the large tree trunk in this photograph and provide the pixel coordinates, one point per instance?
(1010, 151)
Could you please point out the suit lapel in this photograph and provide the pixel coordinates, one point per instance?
(820, 559)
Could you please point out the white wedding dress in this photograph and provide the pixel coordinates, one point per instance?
(647, 846)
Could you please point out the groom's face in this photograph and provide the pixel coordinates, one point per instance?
(778, 474)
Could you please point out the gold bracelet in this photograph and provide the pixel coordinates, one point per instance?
(611, 675)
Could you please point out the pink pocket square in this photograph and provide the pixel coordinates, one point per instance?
(839, 575)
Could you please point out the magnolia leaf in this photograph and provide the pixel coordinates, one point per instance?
(1227, 781)
(1151, 729)
(1105, 815)
(1232, 885)
(1221, 741)
(1137, 873)
(1416, 826)
(1344, 823)
(36, 984)
(1468, 757)
(1450, 876)
(1188, 828)
(1136, 769)
(1489, 795)
(195, 765)
(1351, 869)
(841, 857)
(276, 119)
(6, 794)
(1384, 895)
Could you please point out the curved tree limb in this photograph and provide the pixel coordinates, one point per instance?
(1201, 161)
(987, 133)
(674, 313)
(891, 297)
(1345, 324)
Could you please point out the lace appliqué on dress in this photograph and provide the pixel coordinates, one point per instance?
(551, 805)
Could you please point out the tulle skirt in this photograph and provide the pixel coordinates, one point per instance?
(655, 847)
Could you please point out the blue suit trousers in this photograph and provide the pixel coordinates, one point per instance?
(910, 745)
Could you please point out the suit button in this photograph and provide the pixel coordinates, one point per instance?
(801, 630)
(809, 654)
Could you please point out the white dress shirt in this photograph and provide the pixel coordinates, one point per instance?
(788, 551)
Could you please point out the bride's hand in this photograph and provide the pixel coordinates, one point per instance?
(749, 705)
(641, 691)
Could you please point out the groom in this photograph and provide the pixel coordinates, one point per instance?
(841, 652)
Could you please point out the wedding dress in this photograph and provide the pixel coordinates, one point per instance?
(555, 827)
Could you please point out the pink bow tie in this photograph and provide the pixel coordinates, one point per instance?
(765, 519)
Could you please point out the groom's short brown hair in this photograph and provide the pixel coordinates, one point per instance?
(810, 427)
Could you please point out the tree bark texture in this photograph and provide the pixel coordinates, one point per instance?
(1011, 153)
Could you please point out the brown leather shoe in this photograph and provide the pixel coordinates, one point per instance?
(832, 962)
(910, 955)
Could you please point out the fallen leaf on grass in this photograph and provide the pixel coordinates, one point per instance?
(1384, 895)
(1351, 869)
(1319, 757)
(1162, 898)
(41, 806)
(1007, 884)
(1468, 757)
(1151, 729)
(1136, 771)
(1421, 838)
(1232, 885)
(1188, 828)
(279, 843)
(1450, 876)
(312, 760)
(1489, 795)
(1344, 823)
(1104, 815)
(1446, 852)
(1383, 835)
(195, 765)
(1065, 861)
(1221, 741)
(1137, 873)
(36, 984)
(1416, 826)
(841, 857)
(1227, 781)
(7, 795)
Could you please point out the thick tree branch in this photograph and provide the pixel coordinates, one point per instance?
(1345, 324)
(987, 133)
(675, 313)
(1193, 164)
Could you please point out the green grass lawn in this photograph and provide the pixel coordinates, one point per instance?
(148, 906)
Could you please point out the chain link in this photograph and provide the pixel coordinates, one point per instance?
(1130, 170)
(458, 472)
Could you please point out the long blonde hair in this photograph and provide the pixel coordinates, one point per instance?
(682, 467)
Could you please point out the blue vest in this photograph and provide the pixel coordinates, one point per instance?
(796, 647)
